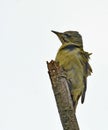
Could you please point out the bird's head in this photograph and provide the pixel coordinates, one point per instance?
(71, 37)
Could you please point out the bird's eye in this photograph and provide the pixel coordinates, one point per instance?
(68, 35)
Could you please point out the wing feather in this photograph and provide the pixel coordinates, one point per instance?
(87, 71)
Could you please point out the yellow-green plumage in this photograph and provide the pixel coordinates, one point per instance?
(74, 60)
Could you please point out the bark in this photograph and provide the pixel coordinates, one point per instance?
(62, 96)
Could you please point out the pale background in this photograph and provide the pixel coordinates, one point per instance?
(26, 43)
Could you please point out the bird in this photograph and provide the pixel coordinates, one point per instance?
(75, 62)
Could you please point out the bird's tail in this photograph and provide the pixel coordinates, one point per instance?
(83, 97)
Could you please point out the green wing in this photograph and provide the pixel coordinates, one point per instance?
(87, 71)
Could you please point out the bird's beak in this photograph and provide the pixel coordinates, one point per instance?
(57, 33)
(60, 36)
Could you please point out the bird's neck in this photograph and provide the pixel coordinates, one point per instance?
(79, 45)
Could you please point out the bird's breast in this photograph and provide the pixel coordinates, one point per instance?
(68, 57)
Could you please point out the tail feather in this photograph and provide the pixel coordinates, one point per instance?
(83, 97)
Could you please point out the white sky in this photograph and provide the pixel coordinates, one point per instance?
(26, 43)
